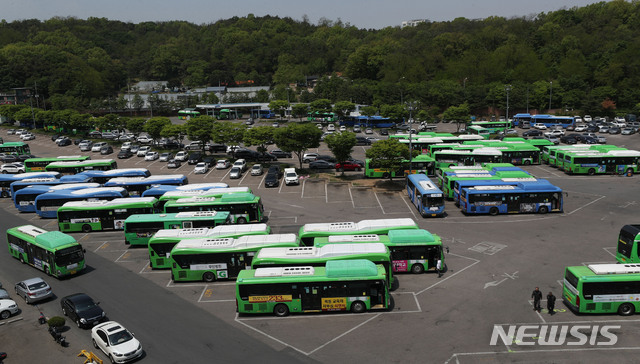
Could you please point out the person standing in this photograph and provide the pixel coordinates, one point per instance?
(537, 297)
(551, 303)
(439, 268)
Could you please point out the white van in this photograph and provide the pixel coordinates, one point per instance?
(291, 177)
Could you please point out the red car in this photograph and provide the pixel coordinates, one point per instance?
(348, 166)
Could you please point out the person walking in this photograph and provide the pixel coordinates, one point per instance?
(537, 297)
(551, 303)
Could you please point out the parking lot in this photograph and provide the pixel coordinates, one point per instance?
(493, 265)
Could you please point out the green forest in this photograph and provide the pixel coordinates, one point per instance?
(583, 59)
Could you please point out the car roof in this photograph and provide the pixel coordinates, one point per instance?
(78, 297)
(109, 326)
(32, 280)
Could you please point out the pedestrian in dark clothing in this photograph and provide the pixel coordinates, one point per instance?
(537, 297)
(551, 303)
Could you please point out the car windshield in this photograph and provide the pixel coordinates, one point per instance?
(85, 304)
(120, 337)
(256, 167)
(37, 285)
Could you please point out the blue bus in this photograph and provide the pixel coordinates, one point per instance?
(551, 120)
(137, 185)
(47, 204)
(460, 184)
(522, 120)
(159, 190)
(25, 199)
(103, 176)
(7, 179)
(425, 195)
(265, 114)
(532, 197)
(31, 182)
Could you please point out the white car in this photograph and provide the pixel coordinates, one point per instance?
(7, 308)
(540, 126)
(257, 170)
(240, 163)
(309, 157)
(201, 168)
(223, 164)
(165, 157)
(554, 133)
(145, 139)
(368, 131)
(580, 128)
(331, 127)
(27, 136)
(97, 146)
(12, 168)
(182, 156)
(125, 146)
(116, 342)
(143, 151)
(291, 177)
(151, 156)
(587, 118)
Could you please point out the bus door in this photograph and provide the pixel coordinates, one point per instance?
(239, 262)
(610, 165)
(310, 296)
(513, 202)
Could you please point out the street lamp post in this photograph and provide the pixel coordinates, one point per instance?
(410, 106)
(550, 93)
(507, 88)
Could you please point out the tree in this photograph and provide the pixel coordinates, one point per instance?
(135, 125)
(388, 154)
(175, 131)
(227, 132)
(278, 106)
(341, 145)
(298, 138)
(154, 126)
(260, 136)
(460, 114)
(300, 110)
(200, 128)
(344, 108)
(320, 106)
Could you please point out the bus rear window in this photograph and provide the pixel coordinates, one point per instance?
(572, 279)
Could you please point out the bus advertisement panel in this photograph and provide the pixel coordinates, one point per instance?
(161, 243)
(425, 195)
(52, 252)
(87, 216)
(419, 164)
(341, 285)
(309, 232)
(25, 199)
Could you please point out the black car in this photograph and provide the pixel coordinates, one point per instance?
(107, 149)
(327, 158)
(81, 309)
(590, 140)
(9, 158)
(568, 139)
(384, 132)
(360, 140)
(321, 164)
(209, 160)
(195, 158)
(578, 137)
(592, 129)
(95, 134)
(24, 157)
(246, 154)
(54, 137)
(125, 153)
(77, 141)
(272, 179)
(280, 154)
(173, 145)
(532, 132)
(64, 142)
(266, 157)
(275, 170)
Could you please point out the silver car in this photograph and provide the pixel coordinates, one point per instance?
(33, 290)
(236, 172)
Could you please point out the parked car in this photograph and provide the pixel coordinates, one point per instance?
(95, 134)
(532, 132)
(9, 158)
(223, 164)
(373, 139)
(135, 148)
(15, 167)
(109, 136)
(124, 154)
(604, 129)
(235, 172)
(614, 130)
(12, 132)
(24, 157)
(257, 170)
(33, 290)
(240, 163)
(628, 131)
(85, 145)
(194, 158)
(164, 157)
(151, 156)
(182, 156)
(356, 129)
(194, 146)
(590, 140)
(384, 132)
(272, 180)
(8, 308)
(143, 151)
(580, 128)
(116, 342)
(275, 169)
(291, 177)
(553, 139)
(97, 146)
(81, 309)
(280, 154)
(174, 163)
(275, 124)
(331, 127)
(321, 164)
(568, 140)
(554, 133)
(145, 139)
(347, 166)
(27, 136)
(266, 157)
(245, 153)
(201, 168)
(4, 295)
(343, 128)
(361, 140)
(64, 142)
(326, 157)
(309, 157)
(107, 149)
(601, 139)
(368, 131)
(540, 126)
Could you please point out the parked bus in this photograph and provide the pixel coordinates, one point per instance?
(161, 243)
(159, 190)
(412, 250)
(242, 207)
(212, 192)
(187, 114)
(39, 164)
(472, 182)
(532, 197)
(47, 204)
(612, 162)
(419, 164)
(137, 185)
(476, 157)
(425, 195)
(49, 181)
(220, 258)
(342, 285)
(522, 120)
(422, 143)
(602, 288)
(87, 216)
(628, 244)
(312, 256)
(103, 176)
(309, 232)
(52, 252)
(18, 148)
(138, 229)
(479, 130)
(77, 167)
(25, 198)
(7, 179)
(548, 155)
(551, 120)
(493, 126)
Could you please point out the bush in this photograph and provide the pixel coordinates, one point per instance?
(56, 321)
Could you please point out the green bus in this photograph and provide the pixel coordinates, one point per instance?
(493, 126)
(18, 148)
(138, 229)
(77, 167)
(40, 164)
(87, 216)
(213, 192)
(242, 207)
(341, 285)
(612, 162)
(602, 288)
(220, 258)
(421, 163)
(308, 232)
(475, 157)
(52, 252)
(628, 239)
(548, 155)
(187, 114)
(413, 250)
(161, 243)
(479, 130)
(378, 253)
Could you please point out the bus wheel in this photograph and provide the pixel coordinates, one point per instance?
(4, 194)
(208, 277)
(384, 175)
(543, 209)
(21, 259)
(358, 307)
(493, 211)
(626, 309)
(241, 220)
(281, 310)
(417, 268)
(526, 163)
(86, 228)
(591, 171)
